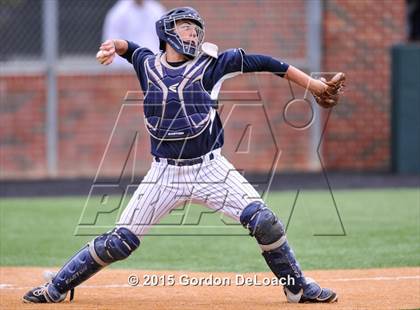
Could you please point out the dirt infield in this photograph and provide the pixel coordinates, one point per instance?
(397, 288)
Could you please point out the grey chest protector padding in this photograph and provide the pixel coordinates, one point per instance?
(177, 107)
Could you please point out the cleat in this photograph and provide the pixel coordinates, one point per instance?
(44, 294)
(311, 293)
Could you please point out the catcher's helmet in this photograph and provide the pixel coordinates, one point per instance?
(166, 31)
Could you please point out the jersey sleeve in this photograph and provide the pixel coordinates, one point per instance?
(136, 55)
(235, 61)
(260, 63)
(229, 62)
(227, 65)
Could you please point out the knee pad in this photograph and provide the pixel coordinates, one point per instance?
(263, 224)
(113, 246)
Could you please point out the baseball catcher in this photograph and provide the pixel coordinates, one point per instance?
(181, 85)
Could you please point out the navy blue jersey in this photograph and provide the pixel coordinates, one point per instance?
(193, 128)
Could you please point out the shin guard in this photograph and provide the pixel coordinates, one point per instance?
(115, 245)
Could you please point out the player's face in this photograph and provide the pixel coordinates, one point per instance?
(187, 31)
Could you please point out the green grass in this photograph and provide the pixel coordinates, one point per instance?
(382, 230)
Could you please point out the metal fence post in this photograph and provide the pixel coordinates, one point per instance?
(314, 58)
(50, 48)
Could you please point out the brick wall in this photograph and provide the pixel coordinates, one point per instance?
(357, 37)
(22, 126)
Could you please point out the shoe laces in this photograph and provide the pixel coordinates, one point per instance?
(40, 291)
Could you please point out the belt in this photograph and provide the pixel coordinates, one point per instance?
(187, 162)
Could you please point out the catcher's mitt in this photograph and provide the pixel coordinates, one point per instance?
(329, 97)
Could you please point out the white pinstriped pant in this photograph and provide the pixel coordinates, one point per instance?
(214, 183)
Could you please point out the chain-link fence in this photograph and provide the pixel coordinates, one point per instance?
(80, 24)
(42, 40)
(20, 29)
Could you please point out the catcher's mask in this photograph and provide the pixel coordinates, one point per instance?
(166, 29)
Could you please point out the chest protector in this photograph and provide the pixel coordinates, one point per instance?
(176, 105)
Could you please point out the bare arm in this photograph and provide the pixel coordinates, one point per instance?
(302, 79)
(121, 46)
(326, 93)
(258, 63)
